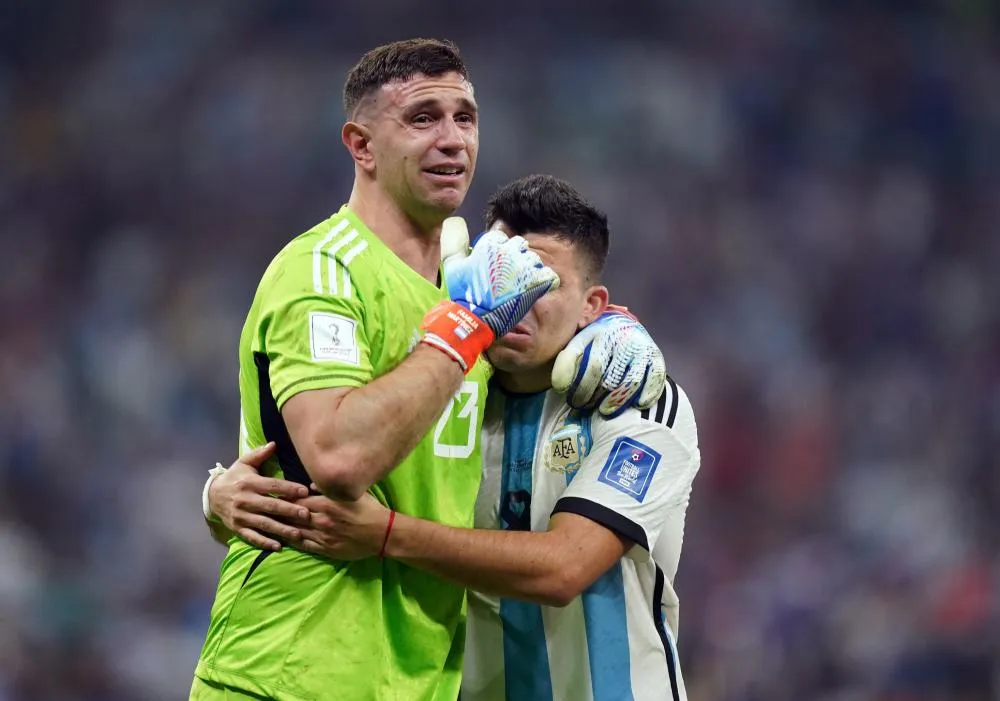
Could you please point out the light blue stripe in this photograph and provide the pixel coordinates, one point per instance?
(607, 628)
(522, 415)
(526, 660)
(607, 637)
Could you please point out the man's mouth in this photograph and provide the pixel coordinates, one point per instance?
(449, 172)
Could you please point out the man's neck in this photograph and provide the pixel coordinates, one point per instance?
(528, 381)
(418, 247)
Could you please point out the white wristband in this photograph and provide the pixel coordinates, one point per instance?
(435, 341)
(206, 508)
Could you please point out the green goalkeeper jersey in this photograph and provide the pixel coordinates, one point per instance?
(336, 308)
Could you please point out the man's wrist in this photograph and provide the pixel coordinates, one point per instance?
(396, 544)
(206, 506)
(388, 533)
(456, 331)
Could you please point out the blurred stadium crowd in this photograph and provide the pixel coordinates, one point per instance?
(805, 205)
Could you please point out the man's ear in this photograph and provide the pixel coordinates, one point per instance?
(357, 139)
(595, 302)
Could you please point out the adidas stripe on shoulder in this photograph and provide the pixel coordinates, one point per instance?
(341, 237)
(668, 398)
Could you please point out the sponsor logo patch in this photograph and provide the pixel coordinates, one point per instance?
(630, 467)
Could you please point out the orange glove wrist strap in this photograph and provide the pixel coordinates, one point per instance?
(455, 330)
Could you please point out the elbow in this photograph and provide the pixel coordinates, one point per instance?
(344, 487)
(555, 598)
(560, 588)
(340, 474)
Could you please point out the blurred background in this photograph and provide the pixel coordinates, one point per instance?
(805, 203)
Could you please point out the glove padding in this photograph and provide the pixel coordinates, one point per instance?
(499, 280)
(491, 289)
(611, 364)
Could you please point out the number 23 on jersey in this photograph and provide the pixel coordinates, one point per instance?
(455, 432)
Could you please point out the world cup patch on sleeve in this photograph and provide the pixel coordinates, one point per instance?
(630, 467)
(332, 337)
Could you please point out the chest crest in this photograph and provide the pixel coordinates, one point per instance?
(568, 445)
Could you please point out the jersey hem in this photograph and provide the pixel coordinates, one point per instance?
(310, 383)
(623, 526)
(210, 673)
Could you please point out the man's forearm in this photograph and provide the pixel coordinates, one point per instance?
(516, 564)
(376, 426)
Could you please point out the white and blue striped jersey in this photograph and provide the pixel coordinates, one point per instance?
(632, 474)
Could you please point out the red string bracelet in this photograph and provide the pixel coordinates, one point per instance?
(388, 530)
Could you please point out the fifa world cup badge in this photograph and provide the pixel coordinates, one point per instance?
(569, 444)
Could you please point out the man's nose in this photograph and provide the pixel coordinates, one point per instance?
(450, 136)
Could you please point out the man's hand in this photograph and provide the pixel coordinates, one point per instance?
(491, 289)
(611, 364)
(344, 530)
(254, 507)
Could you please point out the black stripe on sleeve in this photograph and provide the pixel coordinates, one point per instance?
(661, 406)
(662, 630)
(673, 405)
(612, 520)
(274, 426)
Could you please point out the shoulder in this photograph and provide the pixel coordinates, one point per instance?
(642, 454)
(320, 261)
(671, 418)
(673, 410)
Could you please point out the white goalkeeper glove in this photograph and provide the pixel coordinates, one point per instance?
(611, 364)
(491, 289)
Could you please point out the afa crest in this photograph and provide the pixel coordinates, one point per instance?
(569, 445)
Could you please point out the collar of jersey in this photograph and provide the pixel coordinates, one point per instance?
(390, 255)
(495, 385)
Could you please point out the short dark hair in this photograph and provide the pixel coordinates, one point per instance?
(399, 61)
(544, 204)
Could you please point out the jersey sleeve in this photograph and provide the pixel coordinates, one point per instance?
(636, 480)
(317, 341)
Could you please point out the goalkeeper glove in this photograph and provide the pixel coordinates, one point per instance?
(611, 364)
(491, 289)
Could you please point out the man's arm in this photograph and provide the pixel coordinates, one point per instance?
(631, 490)
(348, 439)
(550, 567)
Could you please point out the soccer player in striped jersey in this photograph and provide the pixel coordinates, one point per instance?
(360, 359)
(579, 519)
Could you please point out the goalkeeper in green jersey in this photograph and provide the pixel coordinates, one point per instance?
(360, 359)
